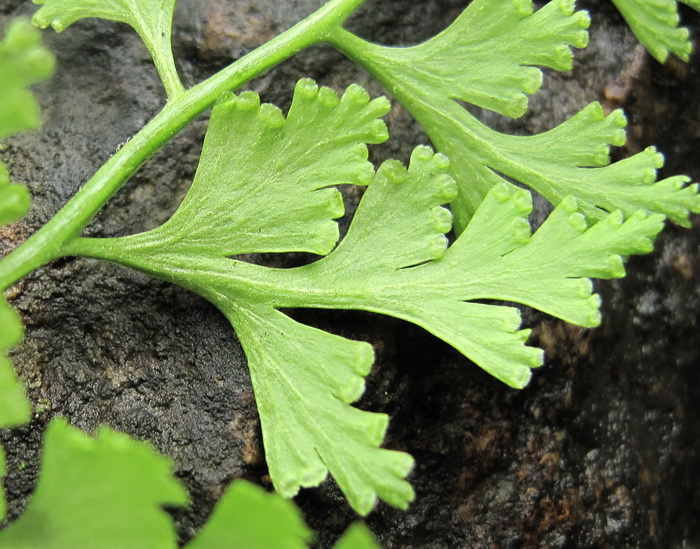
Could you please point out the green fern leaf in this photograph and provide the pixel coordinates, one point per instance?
(247, 516)
(393, 261)
(305, 380)
(490, 55)
(265, 183)
(572, 159)
(23, 62)
(151, 19)
(656, 25)
(102, 492)
(357, 537)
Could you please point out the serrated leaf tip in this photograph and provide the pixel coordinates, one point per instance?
(328, 98)
(306, 88)
(521, 378)
(313, 476)
(595, 318)
(502, 191)
(578, 222)
(364, 359)
(521, 230)
(566, 6)
(393, 171)
(422, 153)
(448, 188)
(569, 204)
(376, 428)
(363, 501)
(616, 266)
(523, 201)
(271, 116)
(356, 95)
(403, 465)
(442, 219)
(352, 391)
(442, 162)
(288, 486)
(534, 79)
(438, 247)
(585, 288)
(379, 131)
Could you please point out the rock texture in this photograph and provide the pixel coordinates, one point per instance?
(599, 451)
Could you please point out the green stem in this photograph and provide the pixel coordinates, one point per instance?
(48, 242)
(165, 65)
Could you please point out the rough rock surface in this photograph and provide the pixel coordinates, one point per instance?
(599, 451)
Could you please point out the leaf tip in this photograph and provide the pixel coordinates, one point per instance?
(521, 231)
(271, 116)
(377, 426)
(363, 501)
(578, 221)
(313, 476)
(393, 171)
(569, 204)
(306, 88)
(328, 98)
(521, 377)
(442, 219)
(247, 101)
(356, 95)
(523, 8)
(378, 131)
(364, 358)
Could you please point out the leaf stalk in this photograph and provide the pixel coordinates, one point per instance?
(48, 242)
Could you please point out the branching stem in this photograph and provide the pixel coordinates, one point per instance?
(48, 242)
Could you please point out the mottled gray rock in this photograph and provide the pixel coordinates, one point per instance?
(599, 451)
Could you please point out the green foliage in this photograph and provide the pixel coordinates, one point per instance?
(23, 62)
(489, 55)
(236, 522)
(109, 492)
(304, 379)
(152, 20)
(14, 199)
(393, 262)
(570, 160)
(266, 183)
(248, 517)
(495, 258)
(655, 22)
(275, 160)
(357, 537)
(102, 492)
